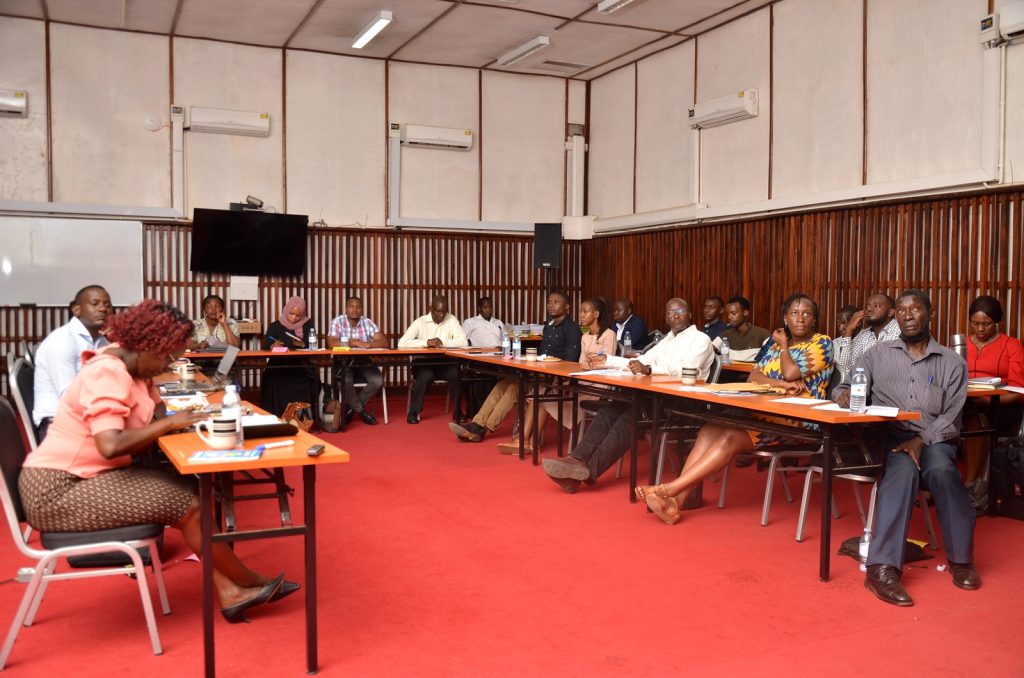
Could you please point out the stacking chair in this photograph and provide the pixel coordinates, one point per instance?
(57, 546)
(22, 376)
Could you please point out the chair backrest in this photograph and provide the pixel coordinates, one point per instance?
(22, 375)
(835, 380)
(656, 336)
(28, 351)
(12, 456)
(716, 370)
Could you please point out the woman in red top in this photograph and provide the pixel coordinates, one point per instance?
(991, 353)
(81, 478)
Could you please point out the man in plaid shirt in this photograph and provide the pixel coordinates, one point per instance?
(361, 332)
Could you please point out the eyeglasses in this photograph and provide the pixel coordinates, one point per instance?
(676, 312)
(797, 313)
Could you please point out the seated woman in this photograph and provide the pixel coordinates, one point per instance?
(799, 360)
(598, 341)
(990, 353)
(288, 380)
(81, 478)
(214, 329)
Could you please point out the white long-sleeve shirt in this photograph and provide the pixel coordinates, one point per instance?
(449, 331)
(58, 360)
(689, 348)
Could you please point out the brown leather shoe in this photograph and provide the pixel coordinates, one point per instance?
(468, 432)
(566, 467)
(965, 576)
(568, 485)
(884, 582)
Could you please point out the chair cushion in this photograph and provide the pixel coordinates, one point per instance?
(55, 540)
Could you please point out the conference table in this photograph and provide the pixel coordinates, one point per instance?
(178, 447)
(730, 410)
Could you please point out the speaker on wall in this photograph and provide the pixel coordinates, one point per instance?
(547, 245)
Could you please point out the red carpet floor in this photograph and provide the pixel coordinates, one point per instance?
(446, 559)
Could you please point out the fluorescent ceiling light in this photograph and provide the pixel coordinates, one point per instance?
(372, 29)
(524, 50)
(609, 6)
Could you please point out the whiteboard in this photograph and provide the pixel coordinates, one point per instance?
(45, 261)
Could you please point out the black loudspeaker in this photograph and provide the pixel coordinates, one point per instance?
(547, 245)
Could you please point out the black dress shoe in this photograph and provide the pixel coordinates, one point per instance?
(236, 613)
(368, 418)
(346, 418)
(884, 582)
(965, 576)
(412, 418)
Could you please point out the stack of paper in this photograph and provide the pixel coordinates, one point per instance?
(209, 456)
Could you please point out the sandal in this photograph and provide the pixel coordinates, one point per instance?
(665, 508)
(642, 491)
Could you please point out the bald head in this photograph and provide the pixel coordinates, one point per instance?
(677, 314)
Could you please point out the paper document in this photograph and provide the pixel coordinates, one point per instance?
(873, 410)
(1015, 389)
(800, 401)
(605, 372)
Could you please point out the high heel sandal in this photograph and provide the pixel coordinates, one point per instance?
(664, 507)
(642, 491)
(236, 613)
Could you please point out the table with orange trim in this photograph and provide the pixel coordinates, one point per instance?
(178, 447)
(731, 410)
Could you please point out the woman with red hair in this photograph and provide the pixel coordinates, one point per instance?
(81, 478)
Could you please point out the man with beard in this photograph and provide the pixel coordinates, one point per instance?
(914, 372)
(59, 358)
(880, 326)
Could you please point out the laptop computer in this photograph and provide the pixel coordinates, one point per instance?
(216, 382)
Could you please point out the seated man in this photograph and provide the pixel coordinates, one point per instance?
(562, 339)
(361, 332)
(713, 325)
(436, 329)
(914, 372)
(745, 340)
(624, 322)
(881, 326)
(483, 330)
(59, 358)
(609, 435)
(841, 344)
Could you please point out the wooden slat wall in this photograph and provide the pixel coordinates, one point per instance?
(954, 248)
(395, 273)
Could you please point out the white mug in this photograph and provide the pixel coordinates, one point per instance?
(186, 371)
(688, 375)
(223, 435)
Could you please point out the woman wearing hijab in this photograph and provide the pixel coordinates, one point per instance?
(287, 380)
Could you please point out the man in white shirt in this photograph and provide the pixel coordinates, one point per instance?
(609, 435)
(483, 329)
(879, 321)
(436, 329)
(59, 357)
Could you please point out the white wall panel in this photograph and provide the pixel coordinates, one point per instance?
(437, 184)
(924, 88)
(523, 146)
(336, 132)
(665, 142)
(817, 139)
(104, 84)
(223, 168)
(23, 169)
(1014, 159)
(577, 102)
(735, 156)
(612, 122)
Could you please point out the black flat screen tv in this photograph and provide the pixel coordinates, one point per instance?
(248, 242)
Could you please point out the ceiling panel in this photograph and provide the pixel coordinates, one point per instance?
(662, 15)
(257, 22)
(563, 8)
(586, 44)
(475, 35)
(30, 9)
(153, 16)
(336, 22)
(656, 46)
(722, 17)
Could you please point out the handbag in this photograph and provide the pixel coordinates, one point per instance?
(298, 414)
(331, 422)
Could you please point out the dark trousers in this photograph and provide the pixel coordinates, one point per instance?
(606, 439)
(43, 427)
(898, 492)
(423, 375)
(365, 373)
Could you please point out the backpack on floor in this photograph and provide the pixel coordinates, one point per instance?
(1006, 479)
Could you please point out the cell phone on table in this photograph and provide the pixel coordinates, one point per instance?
(315, 450)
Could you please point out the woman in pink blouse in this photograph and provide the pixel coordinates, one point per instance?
(81, 478)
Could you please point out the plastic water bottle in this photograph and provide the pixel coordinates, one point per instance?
(517, 345)
(231, 408)
(506, 345)
(724, 350)
(863, 547)
(627, 344)
(859, 391)
(311, 340)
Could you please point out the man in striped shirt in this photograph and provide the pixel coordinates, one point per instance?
(914, 372)
(361, 332)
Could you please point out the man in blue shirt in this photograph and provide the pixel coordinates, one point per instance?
(59, 357)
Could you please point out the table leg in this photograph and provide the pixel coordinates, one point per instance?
(575, 414)
(993, 441)
(633, 447)
(826, 503)
(521, 405)
(309, 502)
(655, 425)
(536, 415)
(206, 556)
(561, 416)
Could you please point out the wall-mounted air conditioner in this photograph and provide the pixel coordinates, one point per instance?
(724, 110)
(220, 121)
(13, 103)
(422, 136)
(1011, 21)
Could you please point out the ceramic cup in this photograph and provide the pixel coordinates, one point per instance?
(222, 434)
(689, 375)
(186, 371)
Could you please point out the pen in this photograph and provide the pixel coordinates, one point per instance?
(293, 336)
(931, 380)
(267, 446)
